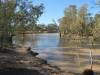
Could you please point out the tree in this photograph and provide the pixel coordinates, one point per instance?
(41, 28)
(82, 19)
(62, 26)
(52, 28)
(7, 9)
(68, 21)
(89, 25)
(97, 27)
(27, 14)
(17, 15)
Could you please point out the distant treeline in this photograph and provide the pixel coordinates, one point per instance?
(39, 28)
(50, 28)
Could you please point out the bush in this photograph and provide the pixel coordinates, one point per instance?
(88, 72)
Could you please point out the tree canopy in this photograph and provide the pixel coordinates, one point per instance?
(80, 22)
(17, 15)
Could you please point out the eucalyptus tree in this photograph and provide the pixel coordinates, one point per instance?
(68, 21)
(52, 28)
(90, 24)
(97, 27)
(27, 14)
(17, 14)
(7, 8)
(62, 26)
(82, 18)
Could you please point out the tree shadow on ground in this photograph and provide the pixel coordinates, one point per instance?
(74, 73)
(96, 73)
(13, 71)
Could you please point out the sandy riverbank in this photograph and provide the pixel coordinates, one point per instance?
(20, 62)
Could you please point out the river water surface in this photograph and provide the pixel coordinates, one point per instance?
(60, 52)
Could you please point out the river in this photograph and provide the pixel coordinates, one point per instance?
(68, 56)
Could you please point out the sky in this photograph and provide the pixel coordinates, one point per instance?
(54, 9)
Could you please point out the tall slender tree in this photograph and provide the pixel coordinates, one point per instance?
(68, 21)
(82, 18)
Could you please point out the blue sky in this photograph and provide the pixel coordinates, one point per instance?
(54, 8)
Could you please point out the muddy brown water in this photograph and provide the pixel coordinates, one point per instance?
(63, 53)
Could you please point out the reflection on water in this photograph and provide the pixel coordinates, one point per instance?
(38, 40)
(61, 52)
